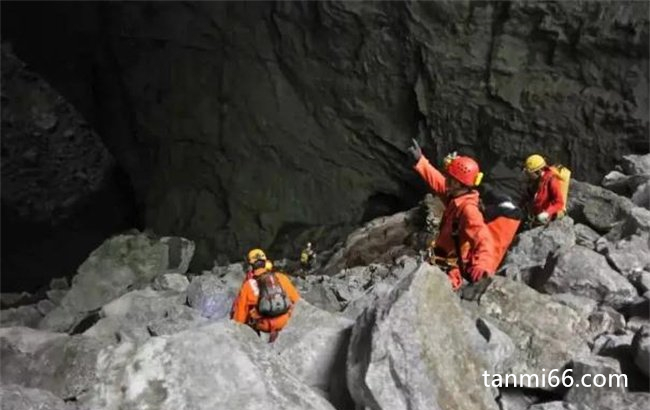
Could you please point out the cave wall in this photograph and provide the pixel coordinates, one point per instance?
(237, 120)
(62, 191)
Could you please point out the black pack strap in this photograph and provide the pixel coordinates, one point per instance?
(455, 234)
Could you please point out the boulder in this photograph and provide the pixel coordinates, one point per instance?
(405, 354)
(598, 373)
(636, 164)
(129, 316)
(614, 400)
(641, 195)
(546, 334)
(15, 397)
(581, 304)
(315, 345)
(62, 364)
(219, 366)
(585, 236)
(27, 316)
(584, 272)
(532, 247)
(381, 240)
(211, 296)
(120, 263)
(625, 185)
(629, 255)
(641, 349)
(171, 281)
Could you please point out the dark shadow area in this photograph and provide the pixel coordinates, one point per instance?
(34, 253)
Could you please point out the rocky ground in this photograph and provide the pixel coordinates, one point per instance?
(377, 328)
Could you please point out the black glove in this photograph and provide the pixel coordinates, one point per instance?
(415, 151)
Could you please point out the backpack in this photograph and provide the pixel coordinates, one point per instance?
(273, 300)
(564, 175)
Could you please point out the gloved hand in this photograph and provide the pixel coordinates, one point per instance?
(476, 273)
(415, 151)
(455, 278)
(543, 217)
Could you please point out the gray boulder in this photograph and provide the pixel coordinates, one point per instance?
(219, 366)
(606, 212)
(581, 304)
(405, 354)
(27, 316)
(129, 316)
(211, 296)
(121, 262)
(616, 401)
(625, 185)
(381, 240)
(585, 236)
(641, 349)
(532, 247)
(62, 364)
(171, 281)
(15, 397)
(641, 195)
(547, 334)
(315, 345)
(636, 164)
(597, 371)
(584, 272)
(629, 255)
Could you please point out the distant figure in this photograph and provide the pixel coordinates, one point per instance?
(547, 190)
(464, 244)
(266, 298)
(307, 258)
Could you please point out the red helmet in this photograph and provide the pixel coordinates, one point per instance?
(465, 170)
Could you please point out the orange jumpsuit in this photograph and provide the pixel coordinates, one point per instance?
(245, 305)
(547, 196)
(477, 244)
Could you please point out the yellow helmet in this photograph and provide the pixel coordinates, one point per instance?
(534, 163)
(255, 255)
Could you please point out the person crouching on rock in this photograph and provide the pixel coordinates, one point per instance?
(462, 229)
(266, 298)
(545, 200)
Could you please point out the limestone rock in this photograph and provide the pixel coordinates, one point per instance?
(121, 262)
(219, 366)
(582, 271)
(403, 353)
(315, 345)
(547, 334)
(15, 397)
(64, 365)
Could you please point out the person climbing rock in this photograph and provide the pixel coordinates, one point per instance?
(546, 195)
(266, 298)
(307, 258)
(464, 245)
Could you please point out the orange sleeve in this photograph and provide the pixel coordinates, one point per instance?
(288, 287)
(241, 309)
(474, 229)
(431, 175)
(556, 200)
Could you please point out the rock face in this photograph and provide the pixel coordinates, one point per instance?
(496, 79)
(405, 354)
(57, 179)
(234, 370)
